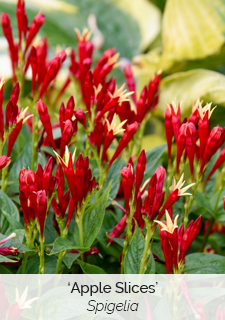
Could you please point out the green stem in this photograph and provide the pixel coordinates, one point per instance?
(24, 262)
(42, 258)
(128, 235)
(189, 204)
(147, 249)
(79, 220)
(34, 142)
(61, 255)
(4, 178)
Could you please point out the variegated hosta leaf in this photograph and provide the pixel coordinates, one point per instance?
(193, 29)
(191, 85)
(147, 16)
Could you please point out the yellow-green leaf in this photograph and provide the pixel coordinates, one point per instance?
(193, 29)
(191, 85)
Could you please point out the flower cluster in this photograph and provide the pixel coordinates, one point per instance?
(25, 52)
(194, 138)
(176, 242)
(36, 191)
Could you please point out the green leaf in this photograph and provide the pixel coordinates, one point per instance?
(70, 258)
(204, 263)
(118, 240)
(193, 29)
(62, 244)
(209, 86)
(10, 208)
(114, 176)
(203, 202)
(5, 259)
(90, 269)
(93, 219)
(4, 270)
(135, 253)
(153, 157)
(13, 223)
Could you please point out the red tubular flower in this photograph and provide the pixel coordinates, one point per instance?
(203, 125)
(92, 252)
(1, 111)
(69, 111)
(34, 28)
(11, 114)
(181, 142)
(70, 214)
(214, 142)
(153, 89)
(66, 136)
(176, 112)
(130, 81)
(128, 135)
(141, 105)
(22, 118)
(15, 93)
(96, 136)
(47, 175)
(194, 117)
(218, 163)
(88, 91)
(21, 19)
(169, 130)
(118, 229)
(191, 137)
(4, 162)
(7, 30)
(34, 66)
(45, 119)
(41, 212)
(140, 169)
(42, 50)
(39, 177)
(80, 116)
(167, 251)
(79, 176)
(127, 174)
(188, 237)
(69, 173)
(52, 71)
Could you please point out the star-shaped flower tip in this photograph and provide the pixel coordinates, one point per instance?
(21, 301)
(22, 115)
(121, 93)
(67, 155)
(168, 225)
(112, 125)
(179, 185)
(84, 36)
(202, 110)
(175, 108)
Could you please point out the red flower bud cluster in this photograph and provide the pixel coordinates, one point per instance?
(190, 133)
(36, 188)
(146, 203)
(80, 181)
(14, 118)
(176, 242)
(34, 55)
